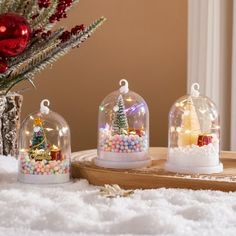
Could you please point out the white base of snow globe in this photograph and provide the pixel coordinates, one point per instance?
(193, 169)
(133, 160)
(43, 179)
(122, 164)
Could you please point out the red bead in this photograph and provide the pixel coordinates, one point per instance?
(3, 67)
(14, 34)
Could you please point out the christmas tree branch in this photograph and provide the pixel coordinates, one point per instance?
(6, 5)
(39, 45)
(51, 56)
(44, 15)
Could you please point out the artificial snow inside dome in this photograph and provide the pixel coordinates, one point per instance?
(123, 130)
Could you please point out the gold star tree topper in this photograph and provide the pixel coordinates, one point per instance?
(38, 121)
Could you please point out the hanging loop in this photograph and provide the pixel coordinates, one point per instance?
(195, 90)
(124, 86)
(44, 106)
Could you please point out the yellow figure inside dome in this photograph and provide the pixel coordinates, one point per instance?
(190, 127)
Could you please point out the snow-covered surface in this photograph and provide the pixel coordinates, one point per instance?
(77, 208)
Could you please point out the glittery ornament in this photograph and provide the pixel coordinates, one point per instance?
(14, 34)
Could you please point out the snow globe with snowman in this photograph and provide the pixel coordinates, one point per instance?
(123, 130)
(194, 135)
(44, 148)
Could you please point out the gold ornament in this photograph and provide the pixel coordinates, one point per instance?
(38, 121)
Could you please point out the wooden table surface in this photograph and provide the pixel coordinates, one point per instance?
(154, 176)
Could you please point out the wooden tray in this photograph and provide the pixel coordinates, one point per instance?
(154, 176)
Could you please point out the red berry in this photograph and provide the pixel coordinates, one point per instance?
(65, 36)
(77, 29)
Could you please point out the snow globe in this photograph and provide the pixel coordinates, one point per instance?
(44, 148)
(194, 135)
(123, 130)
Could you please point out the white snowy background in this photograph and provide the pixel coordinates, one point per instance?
(77, 208)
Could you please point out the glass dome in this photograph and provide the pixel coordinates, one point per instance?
(123, 130)
(194, 135)
(44, 148)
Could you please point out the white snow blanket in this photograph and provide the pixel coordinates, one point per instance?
(77, 208)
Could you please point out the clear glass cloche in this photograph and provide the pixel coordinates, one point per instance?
(44, 148)
(194, 135)
(123, 130)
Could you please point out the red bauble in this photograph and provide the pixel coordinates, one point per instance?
(3, 66)
(14, 34)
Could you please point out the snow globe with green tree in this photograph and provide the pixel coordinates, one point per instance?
(44, 148)
(123, 130)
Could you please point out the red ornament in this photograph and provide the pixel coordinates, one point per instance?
(204, 139)
(14, 34)
(3, 66)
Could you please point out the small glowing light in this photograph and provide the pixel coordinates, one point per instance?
(172, 129)
(187, 131)
(178, 129)
(142, 110)
(177, 104)
(101, 108)
(129, 99)
(31, 117)
(3, 28)
(49, 129)
(64, 129)
(27, 132)
(217, 127)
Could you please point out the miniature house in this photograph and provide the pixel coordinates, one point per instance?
(44, 148)
(123, 130)
(194, 138)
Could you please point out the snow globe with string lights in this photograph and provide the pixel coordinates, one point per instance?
(194, 135)
(123, 130)
(44, 148)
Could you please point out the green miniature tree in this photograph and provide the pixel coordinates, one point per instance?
(120, 122)
(39, 141)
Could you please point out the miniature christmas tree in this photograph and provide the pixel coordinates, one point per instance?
(39, 140)
(39, 148)
(190, 127)
(120, 122)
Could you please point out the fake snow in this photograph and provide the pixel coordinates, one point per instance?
(207, 155)
(77, 208)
